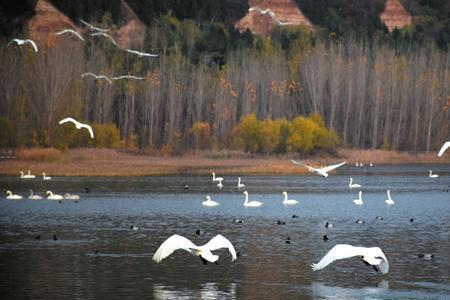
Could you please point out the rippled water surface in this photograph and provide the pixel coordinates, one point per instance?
(97, 255)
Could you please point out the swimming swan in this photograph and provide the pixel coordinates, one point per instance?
(321, 171)
(373, 256)
(11, 196)
(52, 196)
(176, 242)
(251, 203)
(33, 196)
(71, 197)
(209, 202)
(220, 185)
(27, 176)
(433, 175)
(216, 178)
(353, 185)
(389, 200)
(239, 184)
(45, 177)
(287, 201)
(358, 201)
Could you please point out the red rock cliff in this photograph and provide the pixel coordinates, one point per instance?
(395, 15)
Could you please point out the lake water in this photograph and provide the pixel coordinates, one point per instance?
(98, 256)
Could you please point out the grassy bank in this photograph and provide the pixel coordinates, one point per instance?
(103, 162)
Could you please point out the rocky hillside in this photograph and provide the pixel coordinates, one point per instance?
(395, 15)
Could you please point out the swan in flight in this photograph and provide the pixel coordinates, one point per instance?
(251, 203)
(71, 196)
(353, 185)
(216, 178)
(433, 175)
(106, 36)
(93, 28)
(271, 14)
(127, 77)
(176, 242)
(71, 31)
(45, 177)
(33, 196)
(11, 196)
(27, 176)
(98, 77)
(24, 42)
(52, 196)
(209, 202)
(389, 200)
(78, 125)
(373, 256)
(240, 184)
(358, 201)
(141, 54)
(220, 185)
(287, 201)
(444, 148)
(321, 171)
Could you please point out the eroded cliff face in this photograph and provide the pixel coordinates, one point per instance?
(286, 11)
(395, 15)
(131, 30)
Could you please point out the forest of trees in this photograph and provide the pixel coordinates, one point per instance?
(209, 81)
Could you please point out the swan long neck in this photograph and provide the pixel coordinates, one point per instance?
(8, 193)
(389, 194)
(246, 198)
(285, 197)
(239, 180)
(214, 176)
(360, 195)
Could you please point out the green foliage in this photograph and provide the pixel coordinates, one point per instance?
(301, 135)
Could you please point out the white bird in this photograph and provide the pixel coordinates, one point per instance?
(216, 178)
(220, 185)
(356, 164)
(141, 54)
(45, 177)
(98, 77)
(128, 77)
(133, 227)
(71, 31)
(444, 148)
(176, 242)
(11, 196)
(71, 196)
(240, 184)
(33, 196)
(209, 202)
(373, 256)
(106, 36)
(353, 185)
(358, 201)
(52, 196)
(321, 171)
(251, 203)
(271, 14)
(24, 42)
(389, 200)
(287, 201)
(78, 125)
(27, 176)
(371, 164)
(433, 175)
(93, 28)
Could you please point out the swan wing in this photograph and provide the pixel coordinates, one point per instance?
(89, 128)
(92, 27)
(339, 251)
(89, 74)
(444, 148)
(303, 165)
(332, 167)
(218, 242)
(384, 264)
(69, 119)
(106, 78)
(32, 44)
(133, 51)
(172, 244)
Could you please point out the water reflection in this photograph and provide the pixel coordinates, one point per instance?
(207, 291)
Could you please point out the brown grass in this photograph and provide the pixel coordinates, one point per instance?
(106, 162)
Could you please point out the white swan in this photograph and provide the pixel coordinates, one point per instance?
(271, 14)
(220, 185)
(45, 177)
(176, 242)
(127, 77)
(78, 125)
(287, 201)
(141, 54)
(106, 36)
(209, 202)
(71, 31)
(358, 201)
(433, 175)
(11, 196)
(26, 176)
(33, 196)
(444, 148)
(353, 185)
(71, 196)
(24, 42)
(97, 77)
(251, 203)
(321, 171)
(389, 200)
(52, 196)
(240, 184)
(373, 256)
(93, 28)
(216, 178)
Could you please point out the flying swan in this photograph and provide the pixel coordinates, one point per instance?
(24, 42)
(141, 54)
(389, 200)
(98, 77)
(71, 31)
(127, 77)
(209, 202)
(353, 185)
(106, 36)
(93, 28)
(287, 201)
(271, 14)
(251, 203)
(78, 125)
(321, 171)
(358, 201)
(176, 242)
(444, 148)
(373, 256)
